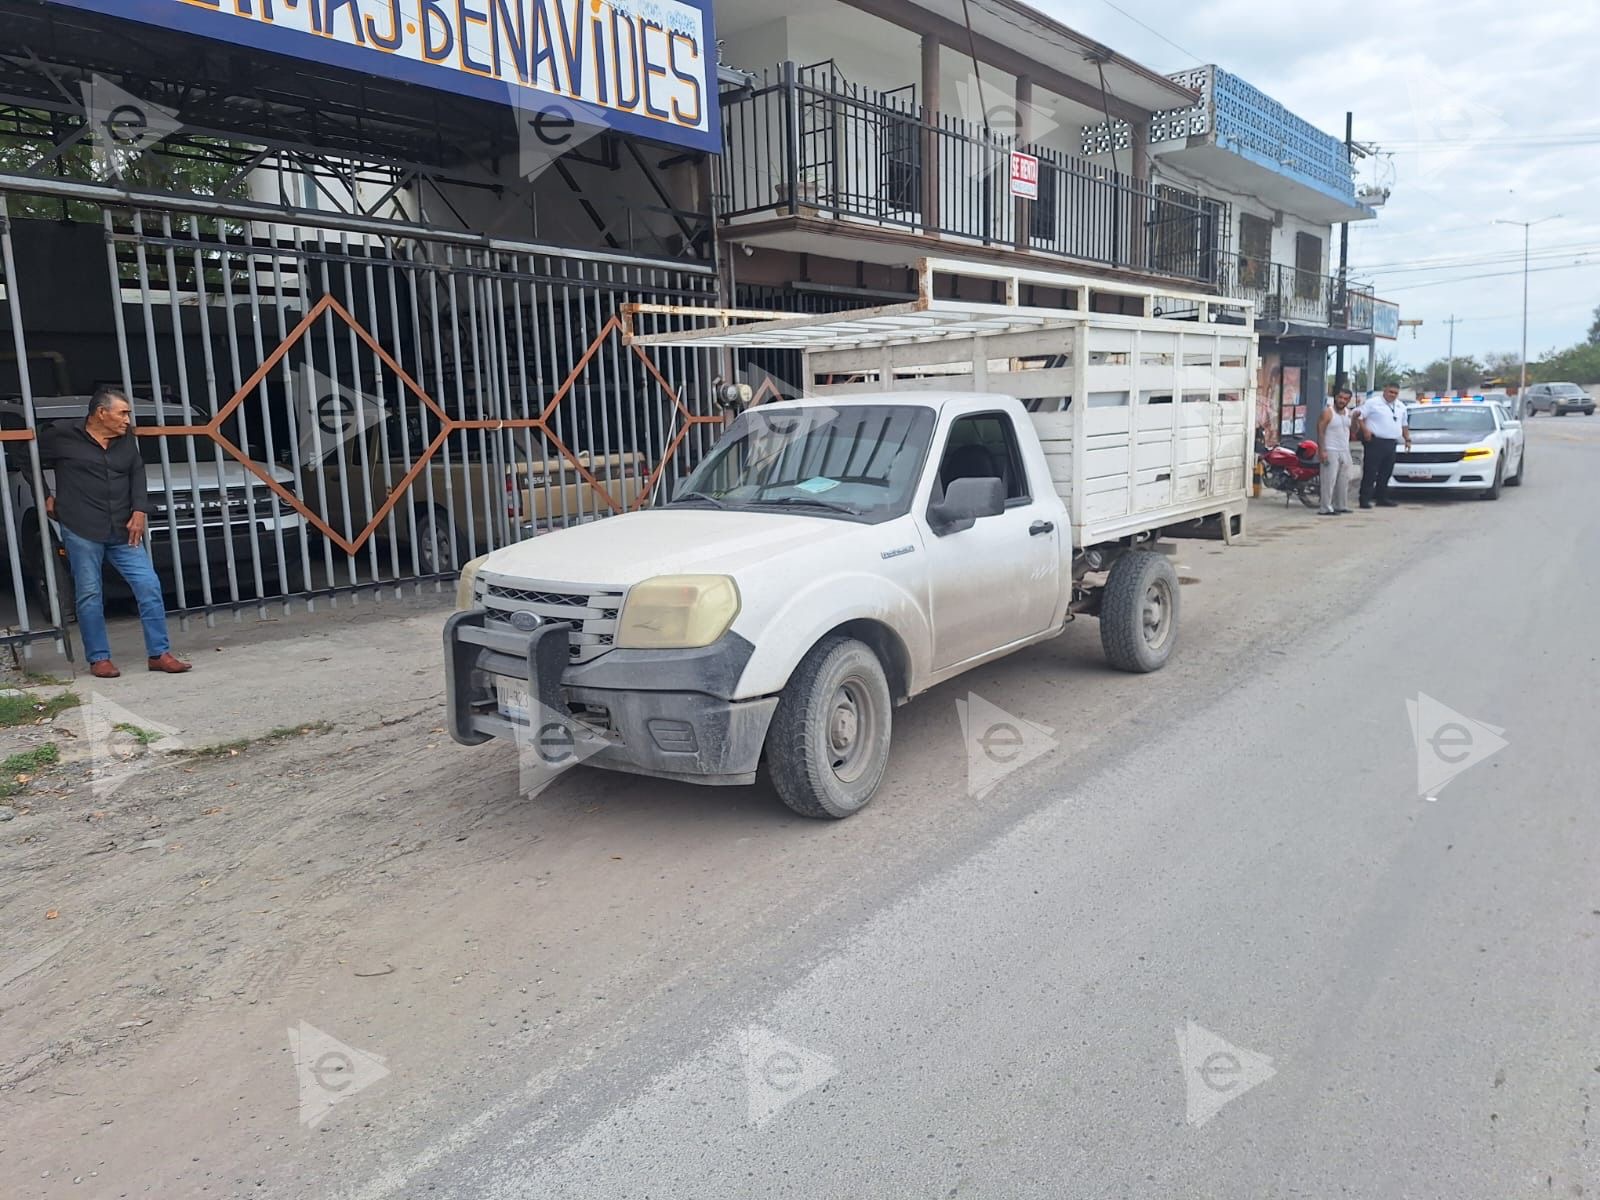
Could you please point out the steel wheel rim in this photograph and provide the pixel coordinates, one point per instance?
(851, 730)
(1156, 614)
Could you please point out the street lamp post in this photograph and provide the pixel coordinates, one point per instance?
(1522, 384)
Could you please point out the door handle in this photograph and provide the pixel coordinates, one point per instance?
(1039, 527)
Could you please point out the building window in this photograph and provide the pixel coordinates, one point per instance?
(902, 162)
(1307, 266)
(1255, 250)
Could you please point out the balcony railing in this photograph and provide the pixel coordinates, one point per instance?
(801, 141)
(1284, 293)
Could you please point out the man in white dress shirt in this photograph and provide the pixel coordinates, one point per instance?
(1383, 427)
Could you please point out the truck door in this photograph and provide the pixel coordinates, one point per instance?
(998, 582)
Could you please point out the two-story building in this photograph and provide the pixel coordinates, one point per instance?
(865, 135)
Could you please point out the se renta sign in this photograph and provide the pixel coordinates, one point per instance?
(1024, 175)
(643, 67)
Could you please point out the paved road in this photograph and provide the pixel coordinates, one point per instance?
(1378, 993)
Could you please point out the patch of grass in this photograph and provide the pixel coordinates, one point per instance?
(289, 731)
(26, 710)
(143, 736)
(15, 769)
(220, 750)
(44, 679)
(240, 745)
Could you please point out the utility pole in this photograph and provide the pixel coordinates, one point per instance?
(1450, 354)
(1522, 385)
(1344, 263)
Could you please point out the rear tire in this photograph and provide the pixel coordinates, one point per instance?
(34, 568)
(828, 747)
(434, 529)
(1139, 612)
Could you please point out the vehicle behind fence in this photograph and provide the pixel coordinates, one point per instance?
(328, 407)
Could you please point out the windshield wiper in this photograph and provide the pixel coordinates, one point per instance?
(812, 502)
(711, 500)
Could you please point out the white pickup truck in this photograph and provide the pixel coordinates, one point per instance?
(834, 557)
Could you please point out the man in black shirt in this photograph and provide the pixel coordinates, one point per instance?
(102, 508)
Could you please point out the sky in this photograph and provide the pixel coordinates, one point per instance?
(1482, 112)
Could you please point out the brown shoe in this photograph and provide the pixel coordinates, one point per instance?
(105, 669)
(171, 666)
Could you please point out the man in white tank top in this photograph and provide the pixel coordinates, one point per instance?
(1333, 435)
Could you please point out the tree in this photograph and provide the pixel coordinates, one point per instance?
(1504, 365)
(1594, 328)
(1575, 364)
(1466, 373)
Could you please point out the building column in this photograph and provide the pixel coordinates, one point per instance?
(1141, 196)
(1022, 210)
(928, 145)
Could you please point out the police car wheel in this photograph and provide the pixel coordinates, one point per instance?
(1493, 492)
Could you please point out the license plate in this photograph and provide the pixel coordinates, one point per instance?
(514, 703)
(1413, 472)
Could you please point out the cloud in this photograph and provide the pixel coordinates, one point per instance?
(1530, 65)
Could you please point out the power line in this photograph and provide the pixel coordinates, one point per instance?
(1407, 287)
(1407, 266)
(1190, 54)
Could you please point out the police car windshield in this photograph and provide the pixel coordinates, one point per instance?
(1455, 419)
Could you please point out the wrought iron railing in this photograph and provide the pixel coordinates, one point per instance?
(1284, 293)
(801, 141)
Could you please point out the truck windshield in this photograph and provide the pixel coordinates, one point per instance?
(859, 462)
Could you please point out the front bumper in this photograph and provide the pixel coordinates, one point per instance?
(1471, 476)
(651, 712)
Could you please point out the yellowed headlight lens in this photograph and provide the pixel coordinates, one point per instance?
(677, 612)
(467, 582)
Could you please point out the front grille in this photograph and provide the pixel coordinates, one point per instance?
(593, 610)
(1406, 458)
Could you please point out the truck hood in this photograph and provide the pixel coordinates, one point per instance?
(624, 550)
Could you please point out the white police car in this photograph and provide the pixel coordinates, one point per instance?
(1461, 444)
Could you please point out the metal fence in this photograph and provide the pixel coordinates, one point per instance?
(801, 141)
(1284, 293)
(327, 406)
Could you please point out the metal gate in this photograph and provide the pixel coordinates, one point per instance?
(331, 406)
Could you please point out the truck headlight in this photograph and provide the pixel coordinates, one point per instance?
(468, 582)
(1478, 452)
(677, 612)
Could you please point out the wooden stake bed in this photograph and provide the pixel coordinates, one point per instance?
(1146, 411)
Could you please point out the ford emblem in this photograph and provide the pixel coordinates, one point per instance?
(526, 621)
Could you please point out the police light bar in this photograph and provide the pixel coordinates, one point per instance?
(1460, 399)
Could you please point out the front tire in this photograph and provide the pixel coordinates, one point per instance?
(1522, 465)
(1139, 612)
(828, 747)
(1494, 489)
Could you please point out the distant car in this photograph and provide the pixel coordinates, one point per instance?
(1558, 399)
(1461, 445)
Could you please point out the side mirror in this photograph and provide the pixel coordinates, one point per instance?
(965, 500)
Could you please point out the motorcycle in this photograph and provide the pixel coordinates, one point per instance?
(1295, 472)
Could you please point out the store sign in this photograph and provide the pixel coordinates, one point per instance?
(645, 67)
(1024, 175)
(1385, 319)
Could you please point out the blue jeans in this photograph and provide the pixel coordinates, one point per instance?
(133, 564)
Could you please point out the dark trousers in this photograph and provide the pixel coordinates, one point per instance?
(1377, 465)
